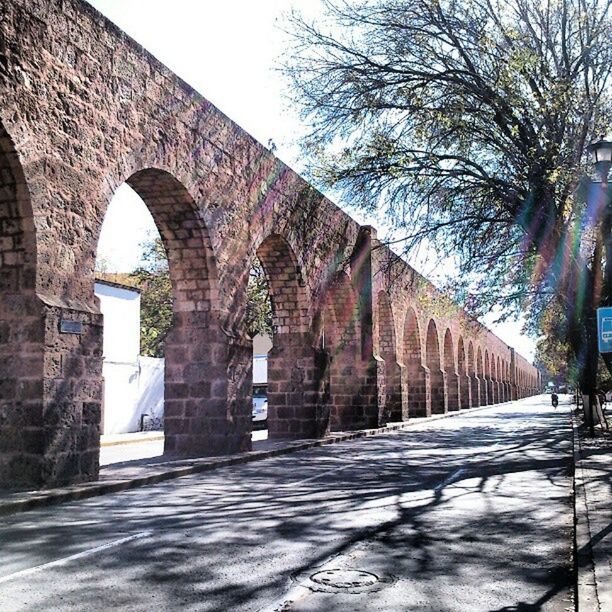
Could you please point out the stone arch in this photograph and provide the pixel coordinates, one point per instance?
(351, 402)
(487, 377)
(416, 384)
(436, 373)
(499, 377)
(193, 270)
(389, 387)
(494, 388)
(291, 361)
(450, 370)
(464, 379)
(473, 375)
(480, 372)
(207, 377)
(24, 448)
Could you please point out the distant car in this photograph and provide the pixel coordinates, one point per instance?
(260, 407)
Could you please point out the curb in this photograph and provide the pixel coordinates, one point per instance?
(188, 467)
(134, 440)
(587, 599)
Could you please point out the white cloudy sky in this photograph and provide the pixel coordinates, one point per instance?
(229, 52)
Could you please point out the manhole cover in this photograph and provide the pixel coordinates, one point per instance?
(344, 578)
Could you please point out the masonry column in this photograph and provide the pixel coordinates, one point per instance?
(475, 390)
(364, 413)
(496, 392)
(438, 391)
(72, 386)
(297, 386)
(389, 391)
(419, 393)
(452, 391)
(465, 386)
(208, 381)
(22, 431)
(399, 402)
(514, 393)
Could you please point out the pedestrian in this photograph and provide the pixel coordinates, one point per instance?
(554, 398)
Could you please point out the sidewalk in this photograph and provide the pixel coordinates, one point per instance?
(122, 476)
(593, 515)
(131, 438)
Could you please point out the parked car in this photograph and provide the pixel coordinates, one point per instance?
(260, 407)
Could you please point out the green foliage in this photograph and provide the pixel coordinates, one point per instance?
(466, 124)
(153, 280)
(554, 356)
(259, 305)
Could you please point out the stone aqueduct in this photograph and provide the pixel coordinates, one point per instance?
(360, 338)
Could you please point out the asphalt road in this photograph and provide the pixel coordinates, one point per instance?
(468, 513)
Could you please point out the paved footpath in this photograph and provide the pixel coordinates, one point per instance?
(469, 513)
(594, 521)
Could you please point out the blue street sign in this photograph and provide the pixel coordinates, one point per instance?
(604, 329)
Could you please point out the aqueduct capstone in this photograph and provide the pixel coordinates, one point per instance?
(360, 339)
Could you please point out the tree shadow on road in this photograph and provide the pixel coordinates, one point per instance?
(481, 506)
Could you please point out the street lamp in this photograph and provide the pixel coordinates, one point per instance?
(601, 157)
(600, 152)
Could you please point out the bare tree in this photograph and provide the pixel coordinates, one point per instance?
(465, 122)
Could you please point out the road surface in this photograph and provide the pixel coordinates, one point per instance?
(468, 513)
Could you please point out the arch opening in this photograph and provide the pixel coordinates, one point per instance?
(487, 377)
(474, 378)
(347, 380)
(451, 374)
(292, 371)
(416, 385)
(23, 442)
(464, 379)
(494, 386)
(437, 376)
(480, 372)
(389, 384)
(173, 367)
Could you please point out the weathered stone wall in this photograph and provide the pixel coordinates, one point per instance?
(88, 109)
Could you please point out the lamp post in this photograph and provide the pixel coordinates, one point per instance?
(600, 152)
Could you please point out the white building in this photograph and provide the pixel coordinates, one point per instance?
(261, 348)
(133, 385)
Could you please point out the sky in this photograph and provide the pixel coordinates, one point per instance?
(228, 51)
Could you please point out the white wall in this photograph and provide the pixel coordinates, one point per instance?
(133, 385)
(261, 346)
(151, 389)
(121, 310)
(120, 397)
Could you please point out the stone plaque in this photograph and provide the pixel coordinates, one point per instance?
(71, 327)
